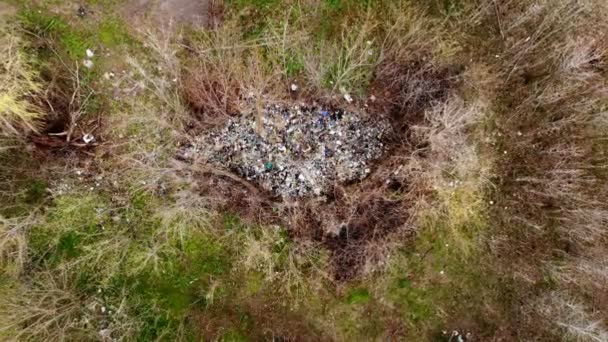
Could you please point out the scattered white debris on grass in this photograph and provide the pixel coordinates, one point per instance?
(88, 138)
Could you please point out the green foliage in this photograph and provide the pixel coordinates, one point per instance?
(72, 223)
(161, 293)
(36, 191)
(113, 33)
(71, 41)
(358, 296)
(294, 64)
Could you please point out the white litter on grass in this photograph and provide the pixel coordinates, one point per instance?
(294, 87)
(348, 98)
(88, 138)
(88, 63)
(105, 334)
(90, 53)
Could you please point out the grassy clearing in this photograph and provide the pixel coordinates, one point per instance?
(487, 218)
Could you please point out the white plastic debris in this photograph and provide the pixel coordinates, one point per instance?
(88, 63)
(304, 150)
(105, 334)
(348, 98)
(294, 87)
(88, 138)
(90, 53)
(372, 98)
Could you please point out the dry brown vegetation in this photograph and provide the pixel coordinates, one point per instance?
(487, 215)
(534, 88)
(20, 87)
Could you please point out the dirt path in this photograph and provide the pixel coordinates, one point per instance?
(195, 12)
(6, 10)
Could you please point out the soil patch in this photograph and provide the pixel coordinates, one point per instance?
(205, 13)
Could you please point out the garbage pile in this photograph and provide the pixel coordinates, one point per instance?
(294, 151)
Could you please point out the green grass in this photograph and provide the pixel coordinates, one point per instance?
(113, 33)
(160, 292)
(43, 24)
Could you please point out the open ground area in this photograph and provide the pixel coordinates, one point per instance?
(304, 170)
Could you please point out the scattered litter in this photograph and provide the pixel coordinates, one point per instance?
(88, 138)
(302, 151)
(105, 334)
(348, 98)
(294, 87)
(90, 53)
(103, 309)
(82, 11)
(88, 63)
(372, 98)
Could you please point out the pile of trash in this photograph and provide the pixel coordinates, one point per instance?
(294, 151)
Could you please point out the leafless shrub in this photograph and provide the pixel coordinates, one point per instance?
(66, 99)
(212, 90)
(50, 310)
(592, 267)
(163, 82)
(573, 318)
